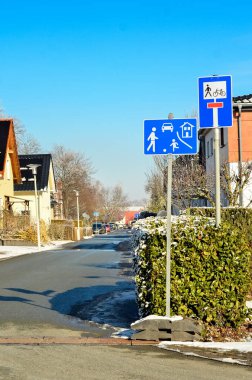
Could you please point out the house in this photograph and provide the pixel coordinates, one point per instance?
(45, 185)
(235, 144)
(131, 213)
(9, 165)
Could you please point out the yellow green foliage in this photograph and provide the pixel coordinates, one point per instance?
(30, 233)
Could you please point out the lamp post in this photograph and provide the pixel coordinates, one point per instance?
(33, 168)
(78, 216)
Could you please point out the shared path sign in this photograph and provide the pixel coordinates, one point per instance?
(215, 102)
(170, 136)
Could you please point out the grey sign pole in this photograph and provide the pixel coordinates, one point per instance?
(168, 236)
(217, 167)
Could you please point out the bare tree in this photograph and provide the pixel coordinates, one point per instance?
(234, 181)
(155, 188)
(189, 182)
(114, 203)
(26, 143)
(73, 171)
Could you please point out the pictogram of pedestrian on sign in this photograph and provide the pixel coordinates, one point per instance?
(152, 138)
(208, 91)
(174, 145)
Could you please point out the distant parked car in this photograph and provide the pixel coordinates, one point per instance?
(113, 226)
(98, 228)
(146, 214)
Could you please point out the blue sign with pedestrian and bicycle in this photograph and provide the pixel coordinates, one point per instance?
(170, 136)
(215, 102)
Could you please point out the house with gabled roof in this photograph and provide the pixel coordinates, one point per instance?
(45, 181)
(9, 163)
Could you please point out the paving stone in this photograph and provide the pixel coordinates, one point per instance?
(146, 335)
(164, 324)
(188, 325)
(145, 324)
(184, 336)
(164, 335)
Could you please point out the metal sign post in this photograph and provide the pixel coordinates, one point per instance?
(217, 167)
(168, 236)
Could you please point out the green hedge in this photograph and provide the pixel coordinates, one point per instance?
(209, 271)
(239, 217)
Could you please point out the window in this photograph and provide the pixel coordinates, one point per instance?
(8, 169)
(222, 142)
(208, 151)
(211, 146)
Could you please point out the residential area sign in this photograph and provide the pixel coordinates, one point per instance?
(215, 102)
(170, 136)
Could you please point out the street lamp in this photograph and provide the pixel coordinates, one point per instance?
(33, 168)
(78, 217)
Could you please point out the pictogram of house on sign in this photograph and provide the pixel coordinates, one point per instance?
(187, 130)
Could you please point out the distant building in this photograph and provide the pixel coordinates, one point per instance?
(131, 213)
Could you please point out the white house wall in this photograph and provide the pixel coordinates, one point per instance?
(247, 191)
(210, 161)
(209, 141)
(44, 205)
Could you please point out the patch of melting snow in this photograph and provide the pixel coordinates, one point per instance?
(123, 333)
(223, 346)
(238, 349)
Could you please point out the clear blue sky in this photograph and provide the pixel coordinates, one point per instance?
(86, 73)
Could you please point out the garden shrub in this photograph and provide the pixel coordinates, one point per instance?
(237, 216)
(209, 270)
(30, 233)
(61, 230)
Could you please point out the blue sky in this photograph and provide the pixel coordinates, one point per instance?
(85, 74)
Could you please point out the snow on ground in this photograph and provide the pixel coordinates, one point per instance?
(227, 352)
(7, 252)
(223, 346)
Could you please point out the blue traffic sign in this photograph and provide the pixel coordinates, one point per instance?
(215, 102)
(170, 136)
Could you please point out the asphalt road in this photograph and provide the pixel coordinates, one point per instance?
(86, 287)
(109, 363)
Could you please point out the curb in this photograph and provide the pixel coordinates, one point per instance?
(75, 341)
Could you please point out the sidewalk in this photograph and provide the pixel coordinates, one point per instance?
(7, 252)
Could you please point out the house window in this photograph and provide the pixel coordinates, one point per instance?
(208, 150)
(8, 170)
(222, 142)
(211, 146)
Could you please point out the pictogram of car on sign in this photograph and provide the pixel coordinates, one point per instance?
(167, 127)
